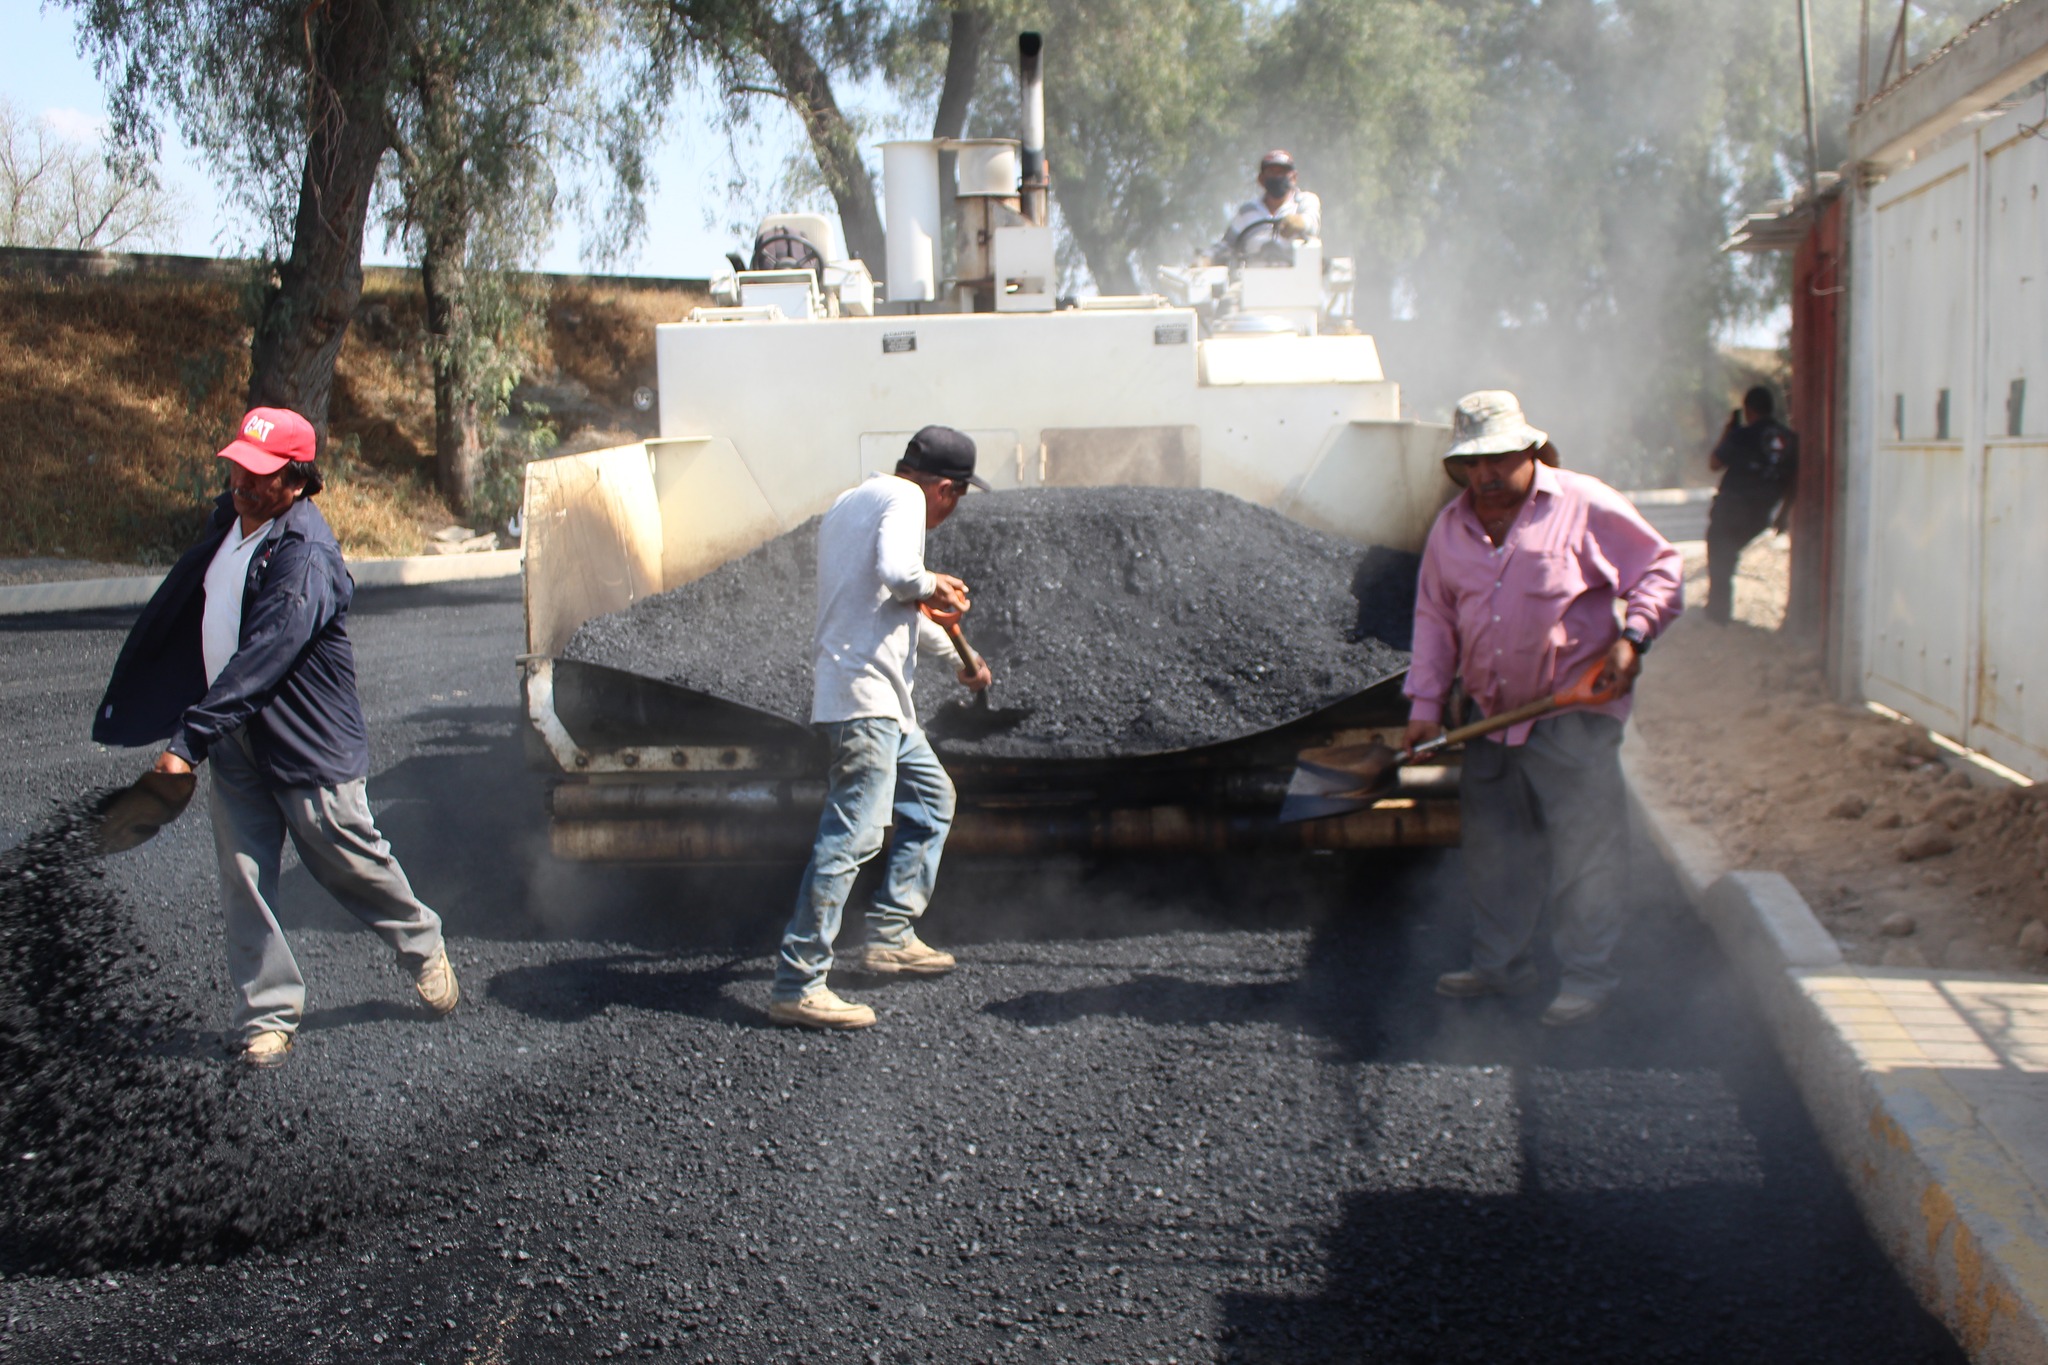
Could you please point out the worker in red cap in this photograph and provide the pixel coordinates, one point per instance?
(1281, 212)
(243, 657)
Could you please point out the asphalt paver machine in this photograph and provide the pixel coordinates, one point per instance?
(799, 381)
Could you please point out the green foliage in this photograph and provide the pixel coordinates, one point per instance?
(1575, 249)
(1376, 99)
(520, 438)
(193, 59)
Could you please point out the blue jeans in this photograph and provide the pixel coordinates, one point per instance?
(876, 769)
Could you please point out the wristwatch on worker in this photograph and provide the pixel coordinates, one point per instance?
(1636, 638)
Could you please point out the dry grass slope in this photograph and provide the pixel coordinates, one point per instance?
(115, 393)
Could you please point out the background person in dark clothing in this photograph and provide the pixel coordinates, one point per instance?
(243, 656)
(1760, 457)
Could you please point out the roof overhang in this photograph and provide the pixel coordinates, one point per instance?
(1986, 62)
(1783, 224)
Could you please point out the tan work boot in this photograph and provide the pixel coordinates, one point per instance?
(434, 979)
(266, 1049)
(821, 1009)
(1569, 1009)
(914, 958)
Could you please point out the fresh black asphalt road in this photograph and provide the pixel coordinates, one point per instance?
(1164, 1112)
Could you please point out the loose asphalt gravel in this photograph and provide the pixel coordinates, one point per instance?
(1205, 1111)
(1117, 621)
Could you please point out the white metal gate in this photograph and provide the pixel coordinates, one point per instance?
(1958, 545)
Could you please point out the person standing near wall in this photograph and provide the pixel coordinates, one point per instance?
(1758, 458)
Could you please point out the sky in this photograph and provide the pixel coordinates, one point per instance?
(43, 75)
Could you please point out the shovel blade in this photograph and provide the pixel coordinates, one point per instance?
(131, 816)
(1338, 780)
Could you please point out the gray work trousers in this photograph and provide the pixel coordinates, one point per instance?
(1547, 821)
(339, 844)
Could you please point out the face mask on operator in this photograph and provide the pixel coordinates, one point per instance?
(1276, 185)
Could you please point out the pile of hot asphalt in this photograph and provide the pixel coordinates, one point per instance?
(118, 1150)
(1117, 621)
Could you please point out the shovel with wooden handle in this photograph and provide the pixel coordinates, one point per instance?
(949, 621)
(1343, 778)
(133, 814)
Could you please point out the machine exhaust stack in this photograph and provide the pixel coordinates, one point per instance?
(1031, 81)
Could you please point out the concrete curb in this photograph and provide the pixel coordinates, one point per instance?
(1903, 1079)
(91, 594)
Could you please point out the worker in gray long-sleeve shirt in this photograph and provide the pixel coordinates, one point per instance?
(871, 581)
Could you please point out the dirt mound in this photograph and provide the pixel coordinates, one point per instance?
(1116, 620)
(1906, 859)
(117, 1150)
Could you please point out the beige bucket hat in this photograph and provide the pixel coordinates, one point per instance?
(1490, 422)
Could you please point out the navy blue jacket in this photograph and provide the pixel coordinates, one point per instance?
(292, 680)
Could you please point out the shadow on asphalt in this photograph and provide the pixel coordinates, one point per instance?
(363, 1012)
(572, 991)
(1709, 1274)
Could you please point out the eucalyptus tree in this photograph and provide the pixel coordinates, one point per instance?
(1576, 247)
(460, 109)
(489, 102)
(287, 102)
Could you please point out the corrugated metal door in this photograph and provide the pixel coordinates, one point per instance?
(2009, 720)
(1922, 508)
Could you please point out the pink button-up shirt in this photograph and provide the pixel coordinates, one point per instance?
(1516, 620)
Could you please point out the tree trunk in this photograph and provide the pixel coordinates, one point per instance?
(963, 61)
(809, 90)
(291, 361)
(458, 428)
(442, 206)
(956, 93)
(1103, 252)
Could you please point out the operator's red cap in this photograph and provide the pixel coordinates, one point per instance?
(271, 439)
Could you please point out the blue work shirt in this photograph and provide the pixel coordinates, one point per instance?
(292, 680)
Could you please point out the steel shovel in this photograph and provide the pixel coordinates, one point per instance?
(133, 814)
(1343, 778)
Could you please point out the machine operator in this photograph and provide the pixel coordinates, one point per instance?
(1282, 211)
(872, 580)
(1521, 578)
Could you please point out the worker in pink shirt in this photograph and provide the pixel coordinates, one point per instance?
(1530, 576)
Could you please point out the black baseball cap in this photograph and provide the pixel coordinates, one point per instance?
(946, 453)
